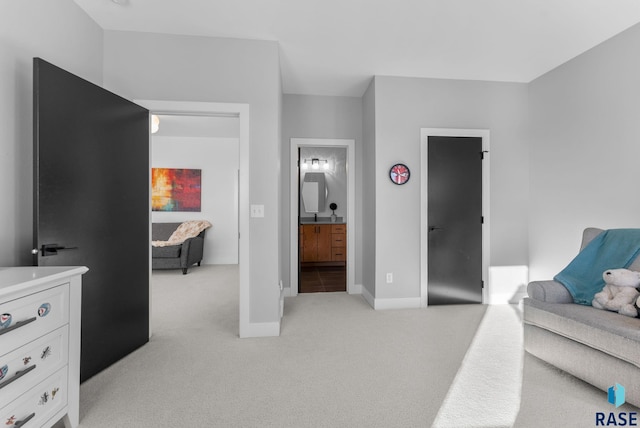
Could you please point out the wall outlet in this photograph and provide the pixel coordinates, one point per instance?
(257, 211)
(389, 278)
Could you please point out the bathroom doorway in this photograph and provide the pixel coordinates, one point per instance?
(322, 212)
(322, 228)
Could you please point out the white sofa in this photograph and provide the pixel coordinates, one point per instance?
(597, 346)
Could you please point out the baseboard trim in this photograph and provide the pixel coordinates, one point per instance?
(393, 303)
(398, 303)
(368, 297)
(260, 329)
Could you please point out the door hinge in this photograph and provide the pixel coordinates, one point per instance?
(482, 283)
(482, 154)
(482, 219)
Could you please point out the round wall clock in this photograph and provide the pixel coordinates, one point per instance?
(399, 173)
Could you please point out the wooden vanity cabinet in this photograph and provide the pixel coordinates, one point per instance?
(323, 242)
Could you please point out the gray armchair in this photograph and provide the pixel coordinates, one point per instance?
(180, 256)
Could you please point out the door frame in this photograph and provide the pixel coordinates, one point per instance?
(425, 133)
(241, 111)
(349, 144)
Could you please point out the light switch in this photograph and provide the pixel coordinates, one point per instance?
(257, 210)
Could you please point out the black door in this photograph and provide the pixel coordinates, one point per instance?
(91, 206)
(454, 220)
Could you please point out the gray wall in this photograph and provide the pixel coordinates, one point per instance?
(61, 33)
(184, 68)
(368, 172)
(585, 122)
(306, 116)
(402, 107)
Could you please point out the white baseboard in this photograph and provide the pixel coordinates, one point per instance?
(368, 297)
(398, 303)
(392, 303)
(261, 329)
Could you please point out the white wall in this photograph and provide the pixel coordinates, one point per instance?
(185, 68)
(585, 150)
(49, 30)
(218, 160)
(402, 107)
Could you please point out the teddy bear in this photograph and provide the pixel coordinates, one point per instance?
(619, 293)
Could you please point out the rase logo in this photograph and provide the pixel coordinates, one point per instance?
(615, 396)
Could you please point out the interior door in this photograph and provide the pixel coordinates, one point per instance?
(91, 206)
(454, 220)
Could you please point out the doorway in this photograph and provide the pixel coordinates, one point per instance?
(455, 216)
(209, 146)
(299, 218)
(323, 226)
(241, 112)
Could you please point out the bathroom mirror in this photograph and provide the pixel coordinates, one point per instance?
(314, 192)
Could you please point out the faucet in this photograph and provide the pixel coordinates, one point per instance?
(315, 217)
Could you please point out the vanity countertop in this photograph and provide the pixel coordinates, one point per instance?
(321, 220)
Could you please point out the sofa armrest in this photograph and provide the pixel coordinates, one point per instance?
(549, 291)
(192, 251)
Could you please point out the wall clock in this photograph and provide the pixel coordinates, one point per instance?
(399, 173)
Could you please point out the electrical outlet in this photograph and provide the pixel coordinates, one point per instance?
(389, 278)
(257, 211)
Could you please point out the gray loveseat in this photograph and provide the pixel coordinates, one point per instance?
(597, 346)
(180, 256)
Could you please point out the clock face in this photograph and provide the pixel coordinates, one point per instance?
(399, 173)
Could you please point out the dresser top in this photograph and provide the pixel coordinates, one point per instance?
(12, 278)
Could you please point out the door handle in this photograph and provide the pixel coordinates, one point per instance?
(52, 249)
(432, 228)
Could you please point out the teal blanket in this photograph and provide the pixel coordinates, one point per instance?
(612, 249)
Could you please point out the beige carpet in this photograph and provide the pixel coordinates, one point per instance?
(337, 363)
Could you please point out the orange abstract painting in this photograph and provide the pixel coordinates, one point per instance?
(176, 189)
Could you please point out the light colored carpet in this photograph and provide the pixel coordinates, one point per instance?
(337, 363)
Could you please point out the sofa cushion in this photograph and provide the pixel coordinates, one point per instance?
(609, 332)
(170, 252)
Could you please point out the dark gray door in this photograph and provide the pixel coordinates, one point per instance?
(91, 206)
(454, 220)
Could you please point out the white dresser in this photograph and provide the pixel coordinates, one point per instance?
(40, 346)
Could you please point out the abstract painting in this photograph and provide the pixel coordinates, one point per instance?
(175, 189)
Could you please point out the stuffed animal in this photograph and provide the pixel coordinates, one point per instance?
(619, 293)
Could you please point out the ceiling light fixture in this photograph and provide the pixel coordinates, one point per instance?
(155, 123)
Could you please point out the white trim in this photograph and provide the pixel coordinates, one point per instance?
(262, 329)
(296, 143)
(425, 133)
(368, 297)
(241, 111)
(397, 303)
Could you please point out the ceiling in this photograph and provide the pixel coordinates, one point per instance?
(334, 47)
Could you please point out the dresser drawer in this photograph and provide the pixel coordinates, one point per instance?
(36, 407)
(338, 254)
(25, 319)
(338, 228)
(338, 240)
(23, 368)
